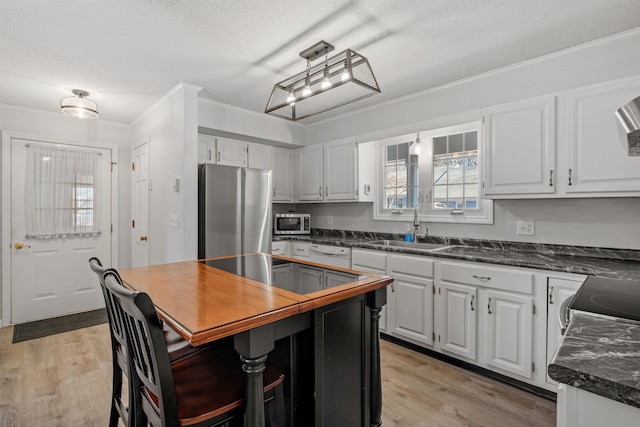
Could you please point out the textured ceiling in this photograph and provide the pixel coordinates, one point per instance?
(128, 53)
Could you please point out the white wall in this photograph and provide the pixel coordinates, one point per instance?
(216, 116)
(590, 222)
(171, 128)
(607, 223)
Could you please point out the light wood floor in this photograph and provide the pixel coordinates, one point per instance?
(65, 380)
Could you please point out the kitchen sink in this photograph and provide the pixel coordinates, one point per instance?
(410, 245)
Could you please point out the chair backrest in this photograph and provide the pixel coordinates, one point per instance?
(117, 328)
(147, 350)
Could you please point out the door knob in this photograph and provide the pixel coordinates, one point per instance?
(20, 245)
(143, 238)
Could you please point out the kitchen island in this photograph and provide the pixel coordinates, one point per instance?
(326, 338)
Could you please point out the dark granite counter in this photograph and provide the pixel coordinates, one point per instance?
(605, 262)
(602, 356)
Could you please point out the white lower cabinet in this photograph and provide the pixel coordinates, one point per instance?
(375, 262)
(509, 332)
(300, 250)
(410, 307)
(559, 290)
(280, 248)
(282, 277)
(491, 306)
(481, 313)
(580, 408)
(459, 311)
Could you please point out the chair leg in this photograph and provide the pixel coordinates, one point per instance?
(116, 392)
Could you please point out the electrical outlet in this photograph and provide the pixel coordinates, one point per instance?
(526, 228)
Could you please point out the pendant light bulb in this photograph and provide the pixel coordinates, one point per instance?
(291, 99)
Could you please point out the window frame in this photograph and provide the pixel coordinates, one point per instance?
(482, 214)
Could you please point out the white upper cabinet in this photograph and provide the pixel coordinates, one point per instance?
(259, 156)
(597, 144)
(309, 173)
(340, 171)
(206, 148)
(336, 171)
(519, 148)
(282, 175)
(231, 152)
(523, 158)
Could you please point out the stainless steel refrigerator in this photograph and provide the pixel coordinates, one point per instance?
(234, 210)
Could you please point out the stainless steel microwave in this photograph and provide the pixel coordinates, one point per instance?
(292, 223)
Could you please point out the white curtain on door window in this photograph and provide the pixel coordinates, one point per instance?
(62, 186)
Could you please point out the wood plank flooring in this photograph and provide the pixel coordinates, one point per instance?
(65, 380)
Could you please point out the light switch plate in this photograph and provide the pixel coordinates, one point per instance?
(174, 221)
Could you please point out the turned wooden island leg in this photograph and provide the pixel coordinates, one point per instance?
(253, 347)
(375, 301)
(254, 386)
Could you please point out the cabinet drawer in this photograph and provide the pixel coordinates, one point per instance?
(300, 249)
(279, 248)
(488, 277)
(369, 259)
(414, 265)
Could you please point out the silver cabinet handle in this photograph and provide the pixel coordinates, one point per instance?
(320, 191)
(274, 191)
(218, 156)
(489, 305)
(392, 288)
(551, 178)
(326, 190)
(570, 172)
(550, 294)
(482, 278)
(472, 307)
(209, 155)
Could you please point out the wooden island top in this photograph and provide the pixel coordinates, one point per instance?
(204, 303)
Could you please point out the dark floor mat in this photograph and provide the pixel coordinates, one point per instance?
(56, 325)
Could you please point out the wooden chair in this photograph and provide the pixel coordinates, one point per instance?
(177, 348)
(202, 388)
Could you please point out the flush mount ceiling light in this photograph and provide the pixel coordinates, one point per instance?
(344, 78)
(79, 105)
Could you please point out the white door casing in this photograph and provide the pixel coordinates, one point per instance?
(140, 206)
(50, 278)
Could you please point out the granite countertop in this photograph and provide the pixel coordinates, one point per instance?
(600, 355)
(605, 262)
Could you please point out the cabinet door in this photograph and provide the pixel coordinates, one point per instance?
(259, 156)
(410, 313)
(558, 290)
(309, 280)
(282, 175)
(519, 148)
(206, 149)
(230, 152)
(282, 277)
(309, 173)
(340, 171)
(459, 315)
(334, 278)
(598, 148)
(374, 262)
(509, 332)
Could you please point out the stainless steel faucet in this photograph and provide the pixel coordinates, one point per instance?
(416, 222)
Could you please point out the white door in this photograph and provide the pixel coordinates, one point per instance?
(140, 206)
(51, 277)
